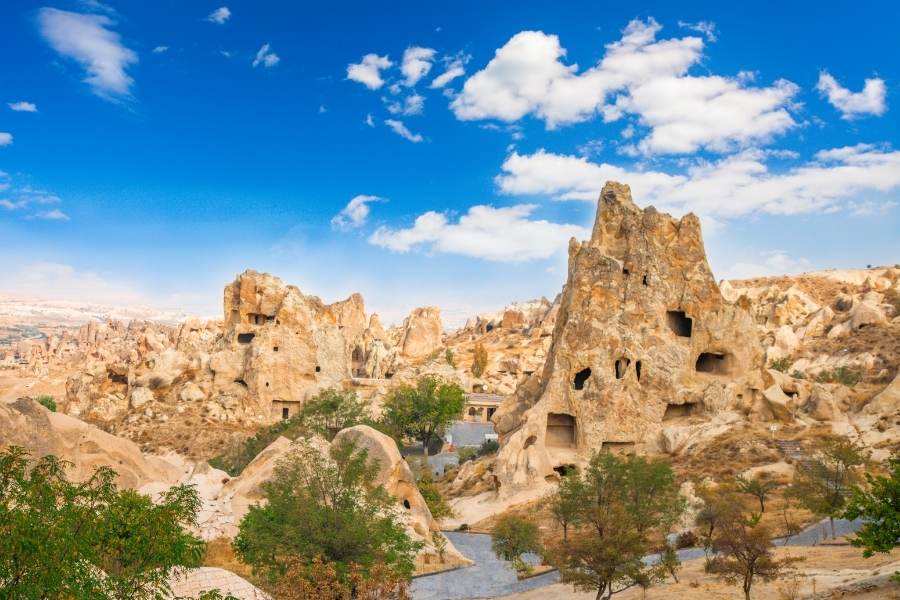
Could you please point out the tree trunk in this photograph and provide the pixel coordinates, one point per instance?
(565, 532)
(748, 582)
(831, 520)
(762, 505)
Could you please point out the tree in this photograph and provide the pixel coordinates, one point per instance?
(823, 484)
(325, 506)
(63, 539)
(879, 508)
(744, 552)
(567, 502)
(669, 561)
(423, 411)
(627, 506)
(720, 503)
(332, 410)
(318, 580)
(479, 360)
(514, 536)
(757, 487)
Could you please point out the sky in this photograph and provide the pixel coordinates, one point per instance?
(432, 153)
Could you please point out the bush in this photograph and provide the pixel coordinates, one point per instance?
(47, 402)
(843, 375)
(798, 374)
(488, 447)
(687, 539)
(448, 355)
(466, 454)
(233, 460)
(512, 537)
(479, 360)
(433, 498)
(780, 364)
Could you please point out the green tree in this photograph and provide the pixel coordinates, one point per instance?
(669, 561)
(627, 507)
(758, 487)
(448, 356)
(567, 502)
(743, 549)
(423, 411)
(823, 484)
(720, 503)
(479, 360)
(512, 537)
(332, 410)
(326, 507)
(88, 540)
(879, 508)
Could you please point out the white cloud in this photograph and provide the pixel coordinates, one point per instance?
(88, 40)
(355, 214)
(219, 16)
(495, 234)
(368, 71)
(870, 101)
(10, 205)
(370, 121)
(773, 262)
(23, 107)
(400, 129)
(5, 138)
(413, 104)
(265, 57)
(55, 281)
(638, 75)
(707, 28)
(51, 215)
(452, 72)
(160, 49)
(741, 184)
(416, 64)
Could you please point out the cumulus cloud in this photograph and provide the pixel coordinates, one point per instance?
(6, 138)
(848, 178)
(869, 101)
(772, 262)
(23, 107)
(495, 234)
(219, 16)
(413, 104)
(355, 214)
(400, 129)
(453, 71)
(368, 70)
(638, 76)
(89, 40)
(416, 64)
(265, 57)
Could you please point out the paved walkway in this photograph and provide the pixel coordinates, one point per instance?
(491, 577)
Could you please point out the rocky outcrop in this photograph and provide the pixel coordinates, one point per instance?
(422, 332)
(642, 332)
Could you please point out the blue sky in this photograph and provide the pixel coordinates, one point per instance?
(425, 154)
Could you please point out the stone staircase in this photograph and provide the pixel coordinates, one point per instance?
(793, 452)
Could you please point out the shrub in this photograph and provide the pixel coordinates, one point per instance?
(47, 402)
(843, 375)
(432, 495)
(479, 360)
(466, 454)
(448, 356)
(780, 364)
(488, 447)
(796, 374)
(512, 537)
(686, 539)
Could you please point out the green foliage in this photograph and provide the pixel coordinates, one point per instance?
(448, 355)
(479, 360)
(514, 536)
(669, 561)
(623, 508)
(780, 364)
(423, 411)
(325, 414)
(567, 502)
(822, 485)
(88, 540)
(757, 487)
(879, 508)
(328, 508)
(796, 374)
(47, 402)
(466, 454)
(488, 447)
(433, 498)
(843, 375)
(743, 549)
(332, 410)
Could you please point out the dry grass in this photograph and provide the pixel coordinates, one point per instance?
(219, 553)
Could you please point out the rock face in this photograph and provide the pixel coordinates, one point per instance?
(422, 332)
(642, 334)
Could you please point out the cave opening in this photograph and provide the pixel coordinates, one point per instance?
(560, 430)
(245, 338)
(637, 370)
(680, 324)
(622, 367)
(580, 378)
(713, 362)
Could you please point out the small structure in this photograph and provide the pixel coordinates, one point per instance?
(481, 407)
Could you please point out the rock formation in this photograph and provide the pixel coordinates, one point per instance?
(642, 334)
